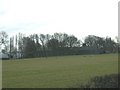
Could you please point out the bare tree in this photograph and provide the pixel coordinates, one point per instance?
(4, 40)
(42, 38)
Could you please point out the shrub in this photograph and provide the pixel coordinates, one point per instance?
(107, 81)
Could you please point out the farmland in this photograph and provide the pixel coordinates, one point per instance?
(57, 72)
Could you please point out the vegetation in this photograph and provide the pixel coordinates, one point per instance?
(45, 61)
(58, 44)
(106, 81)
(57, 72)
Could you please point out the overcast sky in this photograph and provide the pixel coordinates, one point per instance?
(77, 17)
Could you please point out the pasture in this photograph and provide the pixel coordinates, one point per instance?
(56, 72)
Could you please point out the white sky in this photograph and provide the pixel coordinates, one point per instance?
(77, 17)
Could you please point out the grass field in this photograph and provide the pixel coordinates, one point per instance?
(57, 72)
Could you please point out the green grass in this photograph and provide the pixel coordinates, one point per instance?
(60, 72)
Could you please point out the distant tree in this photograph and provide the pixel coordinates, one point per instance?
(4, 40)
(53, 44)
(107, 44)
(20, 42)
(12, 48)
(118, 44)
(110, 45)
(71, 41)
(96, 41)
(90, 40)
(16, 46)
(61, 37)
(38, 45)
(29, 47)
(57, 36)
(48, 37)
(43, 39)
(84, 45)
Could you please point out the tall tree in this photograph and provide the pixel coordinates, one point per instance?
(42, 38)
(110, 45)
(12, 48)
(20, 44)
(38, 45)
(71, 41)
(29, 47)
(4, 40)
(61, 37)
(95, 41)
(53, 44)
(107, 45)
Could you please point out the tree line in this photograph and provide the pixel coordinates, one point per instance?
(58, 44)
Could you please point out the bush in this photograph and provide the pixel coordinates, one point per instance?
(107, 81)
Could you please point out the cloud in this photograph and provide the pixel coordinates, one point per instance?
(78, 17)
(2, 13)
